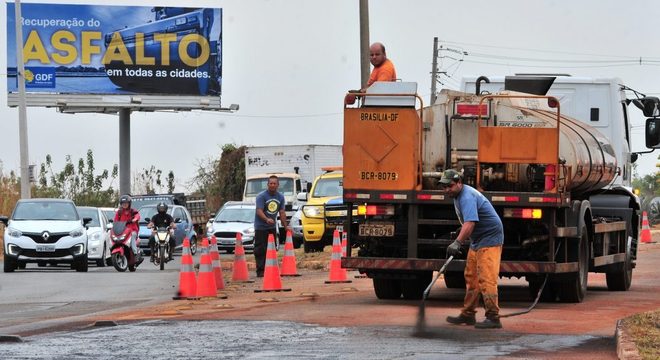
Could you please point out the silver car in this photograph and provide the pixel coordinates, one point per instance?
(234, 217)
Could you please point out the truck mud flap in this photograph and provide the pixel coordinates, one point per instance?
(506, 267)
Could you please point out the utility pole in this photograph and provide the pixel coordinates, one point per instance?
(124, 151)
(22, 113)
(364, 42)
(434, 70)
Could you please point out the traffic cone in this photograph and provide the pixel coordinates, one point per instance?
(187, 281)
(272, 281)
(205, 279)
(217, 267)
(289, 259)
(337, 274)
(240, 268)
(646, 230)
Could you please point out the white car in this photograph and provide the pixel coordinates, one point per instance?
(45, 231)
(234, 217)
(98, 236)
(109, 213)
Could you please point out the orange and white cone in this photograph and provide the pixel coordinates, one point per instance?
(337, 274)
(205, 279)
(240, 269)
(646, 229)
(272, 281)
(289, 259)
(217, 267)
(187, 280)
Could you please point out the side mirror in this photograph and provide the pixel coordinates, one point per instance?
(649, 105)
(147, 220)
(87, 220)
(4, 220)
(109, 226)
(653, 133)
(177, 220)
(301, 196)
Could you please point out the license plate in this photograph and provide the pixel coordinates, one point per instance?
(376, 230)
(45, 248)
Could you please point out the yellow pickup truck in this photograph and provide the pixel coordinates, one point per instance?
(326, 187)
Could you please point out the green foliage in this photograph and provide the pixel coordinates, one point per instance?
(78, 183)
(10, 191)
(222, 180)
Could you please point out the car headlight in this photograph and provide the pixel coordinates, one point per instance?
(13, 249)
(78, 249)
(14, 232)
(77, 233)
(96, 237)
(249, 231)
(312, 211)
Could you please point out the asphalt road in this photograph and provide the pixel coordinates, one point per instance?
(53, 310)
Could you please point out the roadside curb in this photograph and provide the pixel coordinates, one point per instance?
(625, 346)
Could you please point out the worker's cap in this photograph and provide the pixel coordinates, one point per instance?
(448, 176)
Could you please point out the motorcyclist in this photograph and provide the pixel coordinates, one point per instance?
(131, 217)
(161, 219)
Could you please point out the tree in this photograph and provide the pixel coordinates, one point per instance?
(221, 180)
(148, 181)
(78, 183)
(10, 191)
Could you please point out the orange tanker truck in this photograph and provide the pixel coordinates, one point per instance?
(561, 185)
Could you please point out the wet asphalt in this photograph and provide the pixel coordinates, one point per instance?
(162, 339)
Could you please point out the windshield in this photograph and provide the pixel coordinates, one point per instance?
(44, 210)
(139, 202)
(110, 214)
(255, 186)
(235, 215)
(150, 211)
(328, 187)
(90, 213)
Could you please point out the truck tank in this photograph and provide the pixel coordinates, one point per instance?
(586, 158)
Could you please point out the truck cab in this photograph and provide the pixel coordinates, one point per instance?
(290, 186)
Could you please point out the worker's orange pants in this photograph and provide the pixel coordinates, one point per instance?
(481, 273)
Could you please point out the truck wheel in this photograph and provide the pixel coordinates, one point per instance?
(454, 280)
(573, 288)
(548, 294)
(387, 289)
(413, 289)
(621, 279)
(313, 246)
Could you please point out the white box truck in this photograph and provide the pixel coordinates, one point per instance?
(295, 166)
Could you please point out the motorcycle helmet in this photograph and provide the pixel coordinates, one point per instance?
(125, 199)
(161, 207)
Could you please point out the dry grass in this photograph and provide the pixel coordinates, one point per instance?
(645, 331)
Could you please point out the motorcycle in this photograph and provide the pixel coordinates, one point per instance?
(162, 246)
(122, 254)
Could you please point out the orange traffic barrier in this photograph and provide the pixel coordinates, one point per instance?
(646, 230)
(337, 274)
(217, 267)
(272, 281)
(187, 281)
(240, 268)
(289, 259)
(205, 279)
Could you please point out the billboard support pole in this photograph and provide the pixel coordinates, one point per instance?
(22, 112)
(124, 151)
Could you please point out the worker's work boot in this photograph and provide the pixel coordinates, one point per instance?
(489, 323)
(461, 319)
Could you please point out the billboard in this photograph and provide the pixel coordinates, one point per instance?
(117, 50)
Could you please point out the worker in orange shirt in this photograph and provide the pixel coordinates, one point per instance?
(383, 67)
